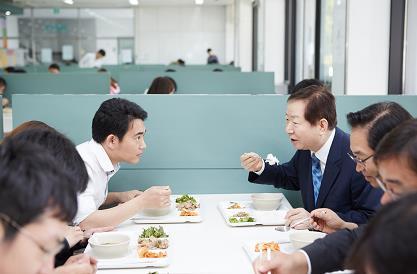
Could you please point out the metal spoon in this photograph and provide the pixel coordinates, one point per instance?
(282, 228)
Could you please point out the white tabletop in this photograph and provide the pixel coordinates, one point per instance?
(210, 246)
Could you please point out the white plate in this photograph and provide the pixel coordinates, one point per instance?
(131, 260)
(172, 217)
(273, 217)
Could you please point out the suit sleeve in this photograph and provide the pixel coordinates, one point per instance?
(281, 176)
(329, 254)
(365, 201)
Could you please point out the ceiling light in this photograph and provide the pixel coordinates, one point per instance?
(8, 13)
(199, 2)
(134, 2)
(69, 2)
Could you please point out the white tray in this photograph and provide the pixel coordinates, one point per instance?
(172, 217)
(273, 217)
(131, 260)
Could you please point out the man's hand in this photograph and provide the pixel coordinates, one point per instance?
(327, 221)
(73, 235)
(156, 197)
(281, 263)
(252, 162)
(78, 264)
(128, 195)
(89, 232)
(298, 218)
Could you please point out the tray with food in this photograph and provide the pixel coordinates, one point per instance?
(183, 209)
(119, 250)
(246, 213)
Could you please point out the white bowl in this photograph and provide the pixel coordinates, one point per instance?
(266, 201)
(301, 238)
(109, 244)
(156, 212)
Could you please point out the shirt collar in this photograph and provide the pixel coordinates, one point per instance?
(323, 152)
(102, 158)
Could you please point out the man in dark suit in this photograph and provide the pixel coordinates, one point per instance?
(321, 167)
(397, 168)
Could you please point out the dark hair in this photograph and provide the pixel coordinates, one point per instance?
(102, 52)
(217, 70)
(170, 70)
(3, 82)
(102, 70)
(114, 117)
(379, 118)
(32, 182)
(388, 243)
(28, 125)
(9, 69)
(181, 62)
(62, 149)
(306, 83)
(208, 50)
(400, 142)
(320, 103)
(19, 70)
(54, 66)
(162, 85)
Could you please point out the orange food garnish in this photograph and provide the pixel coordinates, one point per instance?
(273, 246)
(188, 213)
(144, 252)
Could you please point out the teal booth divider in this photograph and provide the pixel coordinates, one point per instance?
(201, 82)
(64, 83)
(1, 122)
(193, 142)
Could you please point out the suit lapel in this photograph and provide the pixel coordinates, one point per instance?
(333, 165)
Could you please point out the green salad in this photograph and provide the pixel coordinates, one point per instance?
(235, 220)
(153, 232)
(185, 198)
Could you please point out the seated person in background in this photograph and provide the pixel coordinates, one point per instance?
(212, 58)
(179, 62)
(9, 69)
(397, 162)
(31, 179)
(320, 168)
(162, 85)
(383, 248)
(91, 60)
(114, 85)
(118, 136)
(3, 86)
(54, 69)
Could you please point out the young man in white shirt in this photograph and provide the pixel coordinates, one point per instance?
(92, 60)
(118, 136)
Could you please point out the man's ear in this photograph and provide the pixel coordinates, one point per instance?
(324, 125)
(2, 232)
(111, 141)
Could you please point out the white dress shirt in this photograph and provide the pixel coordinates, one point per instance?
(89, 61)
(100, 169)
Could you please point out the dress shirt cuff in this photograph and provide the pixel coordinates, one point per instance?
(307, 259)
(262, 169)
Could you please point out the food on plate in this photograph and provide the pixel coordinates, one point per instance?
(264, 246)
(187, 213)
(144, 252)
(234, 205)
(187, 202)
(235, 220)
(153, 237)
(241, 214)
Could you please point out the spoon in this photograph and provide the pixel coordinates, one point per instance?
(284, 228)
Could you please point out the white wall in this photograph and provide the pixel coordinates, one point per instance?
(410, 85)
(230, 34)
(165, 33)
(243, 34)
(368, 46)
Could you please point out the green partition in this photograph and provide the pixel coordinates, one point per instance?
(1, 122)
(64, 83)
(193, 141)
(201, 82)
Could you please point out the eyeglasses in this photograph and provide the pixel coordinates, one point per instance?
(21, 230)
(359, 161)
(384, 187)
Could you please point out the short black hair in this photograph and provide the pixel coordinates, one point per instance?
(320, 103)
(64, 151)
(32, 182)
(401, 142)
(208, 50)
(162, 85)
(3, 82)
(388, 243)
(114, 117)
(306, 83)
(54, 66)
(379, 118)
(102, 70)
(102, 52)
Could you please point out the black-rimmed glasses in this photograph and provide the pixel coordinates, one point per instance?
(359, 161)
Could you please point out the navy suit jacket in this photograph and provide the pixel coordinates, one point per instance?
(342, 189)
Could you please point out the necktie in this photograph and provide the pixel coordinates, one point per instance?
(316, 175)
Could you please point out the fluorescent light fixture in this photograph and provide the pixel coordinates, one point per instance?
(199, 2)
(134, 2)
(69, 2)
(8, 13)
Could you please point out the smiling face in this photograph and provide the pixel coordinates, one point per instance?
(36, 247)
(303, 135)
(361, 150)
